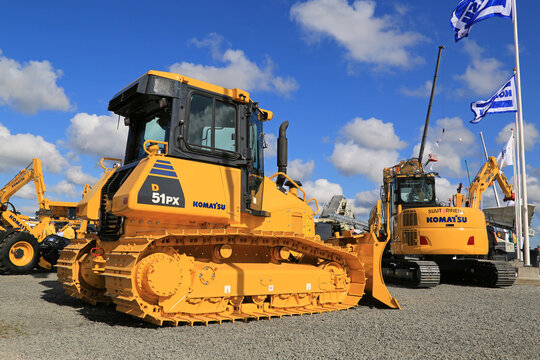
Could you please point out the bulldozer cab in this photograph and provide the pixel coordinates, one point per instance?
(414, 192)
(193, 120)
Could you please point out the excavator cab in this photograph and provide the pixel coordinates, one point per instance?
(415, 191)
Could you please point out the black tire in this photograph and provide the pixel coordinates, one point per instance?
(27, 246)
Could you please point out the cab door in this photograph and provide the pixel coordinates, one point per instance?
(255, 167)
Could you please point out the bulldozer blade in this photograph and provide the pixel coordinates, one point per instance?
(370, 250)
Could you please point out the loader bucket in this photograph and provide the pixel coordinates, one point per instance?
(370, 250)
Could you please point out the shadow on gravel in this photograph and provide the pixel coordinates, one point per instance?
(42, 273)
(55, 294)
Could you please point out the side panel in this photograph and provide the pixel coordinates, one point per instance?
(447, 231)
(180, 190)
(88, 207)
(288, 212)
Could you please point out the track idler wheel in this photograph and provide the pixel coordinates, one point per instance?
(164, 279)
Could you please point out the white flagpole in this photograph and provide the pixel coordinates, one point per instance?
(517, 193)
(487, 158)
(525, 210)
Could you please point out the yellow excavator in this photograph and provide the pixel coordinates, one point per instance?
(27, 242)
(191, 231)
(428, 239)
(486, 176)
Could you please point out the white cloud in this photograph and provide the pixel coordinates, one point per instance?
(366, 37)
(66, 189)
(18, 150)
(450, 146)
(75, 175)
(351, 159)
(238, 70)
(364, 201)
(483, 76)
(533, 190)
(529, 130)
(27, 192)
(299, 170)
(444, 190)
(373, 133)
(271, 145)
(423, 91)
(369, 146)
(97, 135)
(31, 87)
(322, 190)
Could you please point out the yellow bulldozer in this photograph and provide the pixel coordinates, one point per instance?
(28, 242)
(191, 231)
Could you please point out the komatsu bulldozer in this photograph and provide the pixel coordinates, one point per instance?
(191, 231)
(28, 242)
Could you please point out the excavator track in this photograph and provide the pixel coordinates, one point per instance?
(487, 273)
(415, 273)
(133, 271)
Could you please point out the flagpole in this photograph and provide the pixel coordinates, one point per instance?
(524, 207)
(517, 193)
(487, 159)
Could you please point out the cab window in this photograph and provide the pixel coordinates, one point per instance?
(155, 126)
(211, 124)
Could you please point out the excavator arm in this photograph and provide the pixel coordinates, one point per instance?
(31, 172)
(489, 172)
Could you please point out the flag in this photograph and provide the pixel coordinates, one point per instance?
(469, 12)
(503, 101)
(505, 156)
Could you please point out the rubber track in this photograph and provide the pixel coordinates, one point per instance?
(429, 272)
(505, 273)
(123, 259)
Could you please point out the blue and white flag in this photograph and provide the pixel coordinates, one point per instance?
(503, 101)
(469, 12)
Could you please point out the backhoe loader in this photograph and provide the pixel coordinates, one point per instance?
(28, 242)
(191, 231)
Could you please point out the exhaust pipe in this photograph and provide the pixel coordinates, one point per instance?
(282, 153)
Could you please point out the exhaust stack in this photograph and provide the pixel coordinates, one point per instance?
(282, 152)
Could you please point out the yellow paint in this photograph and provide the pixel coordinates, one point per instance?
(21, 253)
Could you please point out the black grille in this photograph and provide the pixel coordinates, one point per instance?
(110, 225)
(410, 218)
(117, 101)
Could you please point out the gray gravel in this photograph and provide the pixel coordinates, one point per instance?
(38, 321)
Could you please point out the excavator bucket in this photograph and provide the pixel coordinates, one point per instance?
(370, 250)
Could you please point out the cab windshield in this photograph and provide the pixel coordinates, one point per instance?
(416, 191)
(153, 126)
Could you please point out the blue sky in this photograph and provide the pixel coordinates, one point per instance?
(352, 78)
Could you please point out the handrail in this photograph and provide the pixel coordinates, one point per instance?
(316, 203)
(150, 141)
(299, 188)
(292, 182)
(111, 159)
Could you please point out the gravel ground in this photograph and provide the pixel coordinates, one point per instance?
(38, 321)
